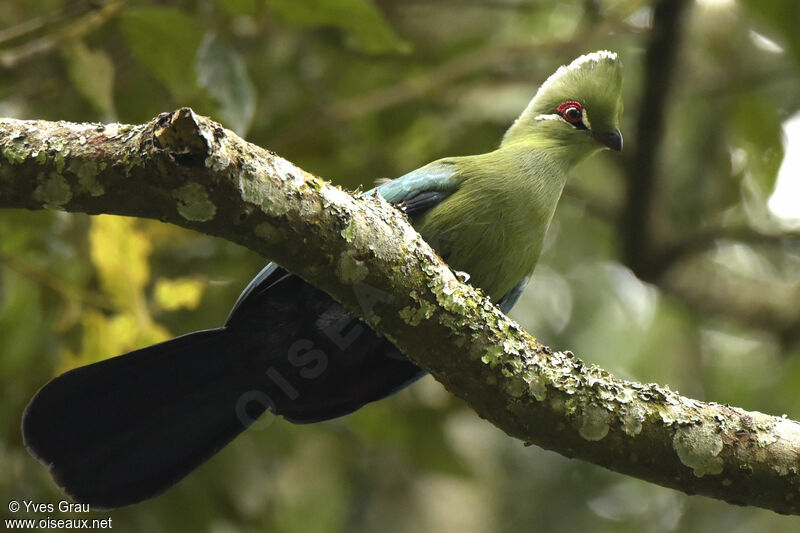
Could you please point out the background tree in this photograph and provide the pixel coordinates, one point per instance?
(663, 266)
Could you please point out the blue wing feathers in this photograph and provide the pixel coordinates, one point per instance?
(510, 300)
(439, 176)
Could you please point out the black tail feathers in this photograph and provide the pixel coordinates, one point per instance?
(122, 430)
(125, 429)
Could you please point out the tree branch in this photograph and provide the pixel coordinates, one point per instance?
(189, 171)
(638, 224)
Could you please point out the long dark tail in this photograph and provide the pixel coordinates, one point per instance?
(125, 429)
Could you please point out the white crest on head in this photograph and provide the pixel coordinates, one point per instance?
(576, 64)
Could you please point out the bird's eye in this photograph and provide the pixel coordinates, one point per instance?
(572, 114)
(571, 111)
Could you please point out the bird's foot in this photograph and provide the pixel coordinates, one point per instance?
(461, 275)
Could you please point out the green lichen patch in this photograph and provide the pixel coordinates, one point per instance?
(268, 233)
(413, 316)
(15, 152)
(87, 172)
(515, 387)
(53, 191)
(453, 297)
(194, 203)
(314, 182)
(350, 269)
(536, 384)
(594, 423)
(60, 159)
(632, 418)
(349, 231)
(493, 356)
(698, 447)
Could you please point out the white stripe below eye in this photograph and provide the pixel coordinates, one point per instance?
(554, 116)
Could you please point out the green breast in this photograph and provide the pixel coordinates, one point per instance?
(494, 225)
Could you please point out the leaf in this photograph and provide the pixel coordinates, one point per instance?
(120, 254)
(222, 72)
(92, 74)
(166, 41)
(180, 293)
(359, 19)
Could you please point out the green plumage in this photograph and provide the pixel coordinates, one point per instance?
(494, 222)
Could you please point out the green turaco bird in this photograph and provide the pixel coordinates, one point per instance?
(127, 428)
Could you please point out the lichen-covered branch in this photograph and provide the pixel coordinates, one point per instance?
(187, 170)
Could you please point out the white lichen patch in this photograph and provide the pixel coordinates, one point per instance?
(53, 191)
(289, 173)
(784, 429)
(194, 203)
(594, 423)
(632, 417)
(670, 415)
(698, 447)
(256, 188)
(350, 269)
(334, 196)
(310, 207)
(220, 159)
(513, 345)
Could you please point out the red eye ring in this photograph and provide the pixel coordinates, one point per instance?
(571, 111)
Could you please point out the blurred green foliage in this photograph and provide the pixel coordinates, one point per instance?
(355, 90)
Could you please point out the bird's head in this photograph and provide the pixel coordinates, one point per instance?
(577, 110)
